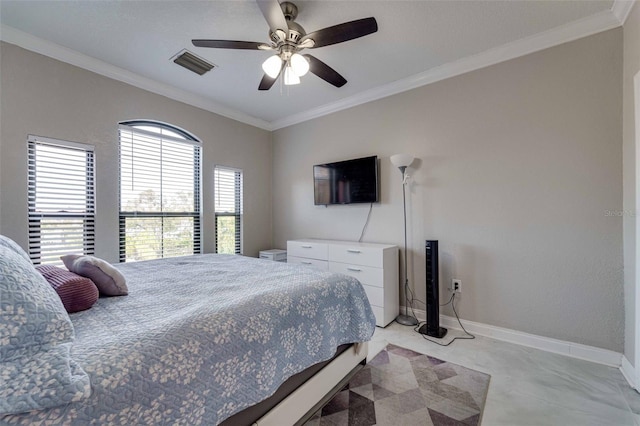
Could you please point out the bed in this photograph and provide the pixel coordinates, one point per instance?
(202, 338)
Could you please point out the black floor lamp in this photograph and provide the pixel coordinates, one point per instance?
(402, 161)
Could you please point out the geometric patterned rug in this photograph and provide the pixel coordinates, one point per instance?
(402, 387)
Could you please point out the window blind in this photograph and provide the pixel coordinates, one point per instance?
(159, 193)
(61, 198)
(228, 209)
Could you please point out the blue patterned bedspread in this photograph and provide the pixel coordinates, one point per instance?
(200, 338)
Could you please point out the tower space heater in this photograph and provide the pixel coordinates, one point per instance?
(432, 327)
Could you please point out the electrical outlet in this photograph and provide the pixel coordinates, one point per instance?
(456, 286)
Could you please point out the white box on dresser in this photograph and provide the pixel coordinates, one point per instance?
(374, 265)
(276, 255)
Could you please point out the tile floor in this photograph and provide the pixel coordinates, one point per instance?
(529, 386)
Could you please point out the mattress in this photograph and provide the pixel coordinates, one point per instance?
(255, 412)
(203, 337)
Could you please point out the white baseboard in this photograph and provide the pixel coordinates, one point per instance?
(629, 372)
(575, 350)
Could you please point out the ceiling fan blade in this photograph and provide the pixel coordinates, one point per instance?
(267, 82)
(342, 32)
(325, 72)
(229, 44)
(273, 14)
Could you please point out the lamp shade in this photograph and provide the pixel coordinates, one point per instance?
(272, 66)
(401, 160)
(299, 64)
(290, 77)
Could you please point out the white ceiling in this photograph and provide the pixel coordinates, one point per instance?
(417, 42)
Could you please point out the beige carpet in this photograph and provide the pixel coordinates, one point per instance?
(401, 387)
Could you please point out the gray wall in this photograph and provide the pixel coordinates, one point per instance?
(45, 97)
(631, 68)
(517, 165)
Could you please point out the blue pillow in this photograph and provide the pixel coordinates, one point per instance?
(35, 341)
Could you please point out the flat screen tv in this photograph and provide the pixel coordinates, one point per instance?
(346, 182)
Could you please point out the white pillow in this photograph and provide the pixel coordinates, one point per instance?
(109, 280)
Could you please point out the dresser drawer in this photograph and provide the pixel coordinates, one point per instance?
(313, 263)
(367, 275)
(379, 314)
(375, 295)
(308, 249)
(359, 255)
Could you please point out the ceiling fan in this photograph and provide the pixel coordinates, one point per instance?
(288, 38)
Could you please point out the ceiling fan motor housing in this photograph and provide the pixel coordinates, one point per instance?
(295, 31)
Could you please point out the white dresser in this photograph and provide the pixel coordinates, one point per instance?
(374, 265)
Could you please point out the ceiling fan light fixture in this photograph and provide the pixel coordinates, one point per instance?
(287, 38)
(299, 64)
(272, 66)
(290, 77)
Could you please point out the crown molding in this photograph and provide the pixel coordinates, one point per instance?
(629, 372)
(621, 9)
(582, 28)
(603, 21)
(35, 44)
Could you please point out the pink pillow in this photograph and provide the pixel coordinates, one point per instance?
(77, 293)
(109, 280)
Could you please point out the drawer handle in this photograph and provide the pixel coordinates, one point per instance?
(353, 251)
(354, 269)
(307, 246)
(306, 263)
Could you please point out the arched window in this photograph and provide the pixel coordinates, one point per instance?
(159, 191)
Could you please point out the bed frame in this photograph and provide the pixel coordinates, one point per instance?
(303, 403)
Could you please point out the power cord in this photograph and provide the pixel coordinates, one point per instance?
(366, 223)
(410, 297)
(468, 336)
(413, 299)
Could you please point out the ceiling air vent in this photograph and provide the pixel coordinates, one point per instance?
(192, 62)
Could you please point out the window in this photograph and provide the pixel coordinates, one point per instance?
(228, 210)
(159, 191)
(61, 199)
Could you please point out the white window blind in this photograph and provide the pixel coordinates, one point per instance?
(159, 192)
(61, 199)
(228, 210)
